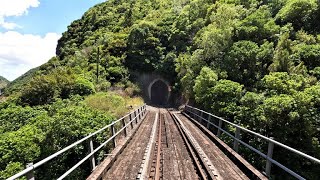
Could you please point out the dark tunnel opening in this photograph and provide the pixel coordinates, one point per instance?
(159, 93)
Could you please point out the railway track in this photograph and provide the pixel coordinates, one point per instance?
(153, 165)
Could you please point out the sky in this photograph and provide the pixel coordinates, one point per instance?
(30, 29)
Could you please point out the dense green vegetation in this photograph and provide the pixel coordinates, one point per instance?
(3, 82)
(18, 84)
(254, 62)
(30, 134)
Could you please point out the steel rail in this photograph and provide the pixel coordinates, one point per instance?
(157, 168)
(201, 168)
(144, 173)
(40, 163)
(252, 148)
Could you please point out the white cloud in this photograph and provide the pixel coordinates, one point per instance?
(21, 52)
(8, 25)
(14, 8)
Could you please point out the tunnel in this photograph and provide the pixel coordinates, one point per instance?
(159, 93)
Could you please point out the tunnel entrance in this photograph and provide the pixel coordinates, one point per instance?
(159, 93)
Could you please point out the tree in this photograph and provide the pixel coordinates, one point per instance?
(251, 113)
(246, 3)
(310, 55)
(240, 62)
(258, 26)
(21, 146)
(283, 83)
(204, 82)
(283, 61)
(144, 47)
(187, 68)
(224, 98)
(83, 87)
(300, 13)
(215, 38)
(41, 90)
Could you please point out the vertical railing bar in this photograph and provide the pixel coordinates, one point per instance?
(113, 132)
(209, 120)
(220, 127)
(124, 125)
(135, 116)
(235, 141)
(92, 159)
(270, 154)
(30, 175)
(194, 114)
(130, 120)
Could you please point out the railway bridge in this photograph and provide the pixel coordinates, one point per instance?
(162, 143)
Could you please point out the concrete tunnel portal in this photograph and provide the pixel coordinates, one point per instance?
(159, 92)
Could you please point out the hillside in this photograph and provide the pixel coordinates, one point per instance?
(17, 84)
(3, 82)
(256, 63)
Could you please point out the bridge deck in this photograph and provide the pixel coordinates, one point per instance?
(128, 163)
(226, 168)
(176, 160)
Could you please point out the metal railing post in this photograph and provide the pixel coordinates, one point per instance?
(130, 119)
(269, 155)
(92, 159)
(194, 114)
(30, 175)
(200, 118)
(236, 142)
(209, 119)
(113, 132)
(220, 127)
(187, 110)
(135, 116)
(143, 111)
(124, 125)
(140, 114)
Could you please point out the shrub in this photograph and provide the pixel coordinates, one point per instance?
(83, 87)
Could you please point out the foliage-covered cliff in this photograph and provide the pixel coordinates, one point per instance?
(3, 82)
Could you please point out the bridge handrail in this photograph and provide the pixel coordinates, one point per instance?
(270, 140)
(139, 111)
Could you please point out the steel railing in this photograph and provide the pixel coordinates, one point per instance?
(135, 115)
(199, 114)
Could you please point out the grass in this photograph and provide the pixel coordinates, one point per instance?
(116, 104)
